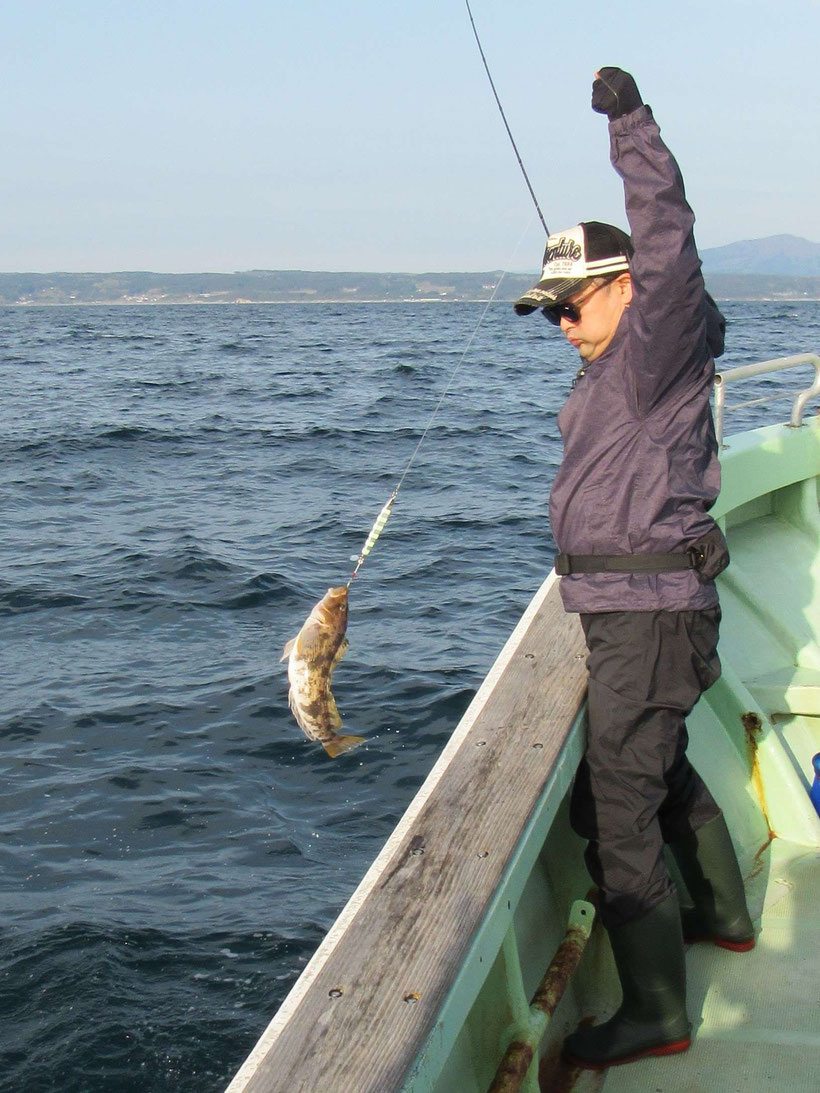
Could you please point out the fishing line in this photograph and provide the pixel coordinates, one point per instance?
(506, 124)
(387, 509)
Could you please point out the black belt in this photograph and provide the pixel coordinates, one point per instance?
(565, 564)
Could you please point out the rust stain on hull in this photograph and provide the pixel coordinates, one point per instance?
(753, 726)
(759, 863)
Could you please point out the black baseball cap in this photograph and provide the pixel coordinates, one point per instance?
(590, 249)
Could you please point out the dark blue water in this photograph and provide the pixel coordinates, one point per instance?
(179, 485)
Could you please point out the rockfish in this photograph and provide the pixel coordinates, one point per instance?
(312, 655)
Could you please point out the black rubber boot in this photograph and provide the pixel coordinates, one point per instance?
(709, 868)
(652, 1018)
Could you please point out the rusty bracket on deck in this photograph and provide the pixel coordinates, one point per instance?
(513, 1068)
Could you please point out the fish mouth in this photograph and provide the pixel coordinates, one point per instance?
(339, 593)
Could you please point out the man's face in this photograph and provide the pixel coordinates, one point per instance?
(600, 309)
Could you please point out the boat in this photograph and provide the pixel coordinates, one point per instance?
(471, 946)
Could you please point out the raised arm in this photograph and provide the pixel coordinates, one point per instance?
(669, 300)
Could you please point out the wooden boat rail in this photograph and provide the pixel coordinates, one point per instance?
(762, 368)
(436, 908)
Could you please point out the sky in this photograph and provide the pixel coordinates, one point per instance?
(321, 135)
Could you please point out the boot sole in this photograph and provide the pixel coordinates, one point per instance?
(723, 943)
(664, 1049)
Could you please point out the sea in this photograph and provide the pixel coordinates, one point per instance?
(179, 485)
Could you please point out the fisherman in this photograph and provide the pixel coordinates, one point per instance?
(639, 553)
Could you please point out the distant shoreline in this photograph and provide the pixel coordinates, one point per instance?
(330, 302)
(274, 287)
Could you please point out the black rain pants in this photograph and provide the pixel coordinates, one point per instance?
(635, 788)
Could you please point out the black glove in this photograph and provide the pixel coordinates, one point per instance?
(615, 93)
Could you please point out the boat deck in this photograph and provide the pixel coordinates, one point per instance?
(756, 1015)
(773, 1034)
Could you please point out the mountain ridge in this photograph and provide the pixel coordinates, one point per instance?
(774, 255)
(779, 267)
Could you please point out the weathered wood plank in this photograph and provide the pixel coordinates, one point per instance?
(373, 995)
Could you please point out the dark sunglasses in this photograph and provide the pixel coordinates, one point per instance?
(568, 310)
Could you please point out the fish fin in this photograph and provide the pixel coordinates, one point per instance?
(341, 744)
(310, 640)
(288, 646)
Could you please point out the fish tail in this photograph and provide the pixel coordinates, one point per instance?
(339, 744)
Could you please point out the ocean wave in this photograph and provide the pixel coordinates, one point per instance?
(76, 993)
(26, 599)
(261, 590)
(134, 715)
(27, 725)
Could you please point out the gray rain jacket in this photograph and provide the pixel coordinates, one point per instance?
(640, 467)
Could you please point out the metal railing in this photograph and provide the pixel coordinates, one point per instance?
(747, 371)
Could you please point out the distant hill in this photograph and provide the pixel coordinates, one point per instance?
(782, 267)
(776, 255)
(255, 286)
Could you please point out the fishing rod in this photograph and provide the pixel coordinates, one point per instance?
(506, 124)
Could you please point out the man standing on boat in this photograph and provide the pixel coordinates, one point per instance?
(639, 553)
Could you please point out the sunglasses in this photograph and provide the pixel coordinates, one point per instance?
(570, 311)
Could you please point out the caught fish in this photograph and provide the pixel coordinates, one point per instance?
(312, 655)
